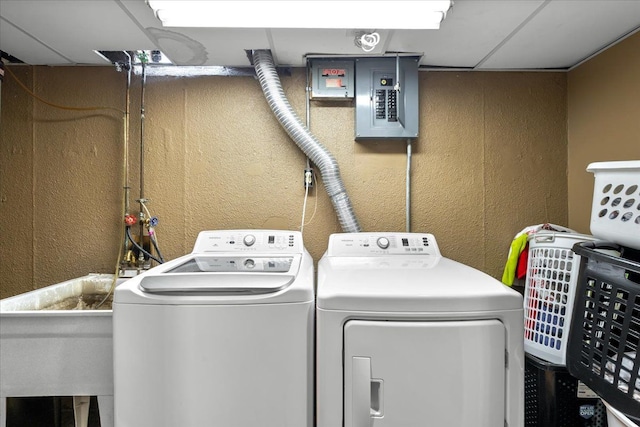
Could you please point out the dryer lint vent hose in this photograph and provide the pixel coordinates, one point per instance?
(310, 146)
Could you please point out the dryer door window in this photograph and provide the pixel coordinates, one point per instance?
(424, 373)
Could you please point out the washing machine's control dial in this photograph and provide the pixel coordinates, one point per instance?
(249, 240)
(249, 263)
(383, 242)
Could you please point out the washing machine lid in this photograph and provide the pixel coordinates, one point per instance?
(223, 275)
(410, 283)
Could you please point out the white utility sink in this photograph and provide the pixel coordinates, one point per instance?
(52, 343)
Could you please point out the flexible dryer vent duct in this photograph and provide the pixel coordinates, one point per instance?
(270, 83)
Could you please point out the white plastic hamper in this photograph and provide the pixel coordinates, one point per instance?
(615, 210)
(550, 286)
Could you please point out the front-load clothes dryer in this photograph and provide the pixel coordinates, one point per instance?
(223, 336)
(406, 337)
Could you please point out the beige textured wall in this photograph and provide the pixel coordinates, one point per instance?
(603, 120)
(490, 160)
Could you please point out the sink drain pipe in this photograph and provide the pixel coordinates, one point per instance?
(310, 146)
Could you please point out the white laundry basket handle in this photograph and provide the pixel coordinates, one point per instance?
(545, 238)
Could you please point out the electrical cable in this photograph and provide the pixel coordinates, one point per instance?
(304, 207)
(315, 209)
(146, 210)
(308, 161)
(62, 107)
(140, 248)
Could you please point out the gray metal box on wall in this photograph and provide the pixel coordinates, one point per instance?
(332, 79)
(387, 98)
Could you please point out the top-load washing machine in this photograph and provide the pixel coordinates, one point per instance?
(220, 337)
(406, 337)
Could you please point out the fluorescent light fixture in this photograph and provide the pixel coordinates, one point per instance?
(371, 15)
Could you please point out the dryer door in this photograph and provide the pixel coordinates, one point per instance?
(449, 373)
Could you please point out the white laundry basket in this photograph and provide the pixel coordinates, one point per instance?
(615, 211)
(552, 274)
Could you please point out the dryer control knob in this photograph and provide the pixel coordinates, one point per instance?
(249, 263)
(249, 239)
(383, 243)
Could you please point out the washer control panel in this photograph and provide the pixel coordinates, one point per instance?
(230, 241)
(225, 264)
(382, 244)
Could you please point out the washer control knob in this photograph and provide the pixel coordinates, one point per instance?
(249, 263)
(249, 239)
(383, 243)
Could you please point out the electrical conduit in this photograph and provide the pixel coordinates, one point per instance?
(310, 146)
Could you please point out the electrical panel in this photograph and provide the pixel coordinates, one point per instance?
(387, 98)
(332, 79)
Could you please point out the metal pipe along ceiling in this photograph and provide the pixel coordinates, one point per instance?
(312, 148)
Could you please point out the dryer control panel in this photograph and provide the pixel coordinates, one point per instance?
(382, 244)
(252, 241)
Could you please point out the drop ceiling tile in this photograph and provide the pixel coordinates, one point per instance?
(77, 28)
(27, 49)
(566, 32)
(470, 31)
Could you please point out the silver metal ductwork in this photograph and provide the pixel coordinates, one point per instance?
(270, 83)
